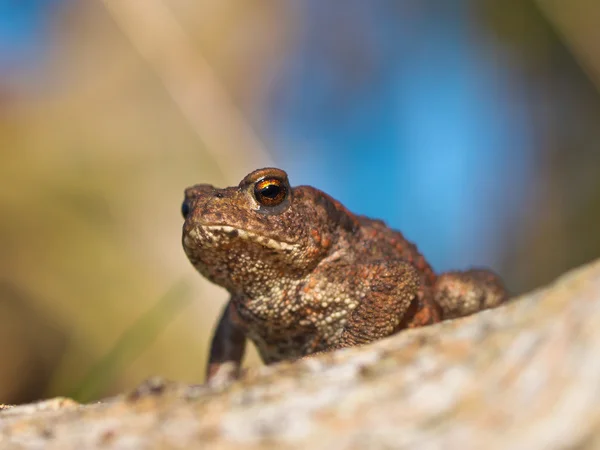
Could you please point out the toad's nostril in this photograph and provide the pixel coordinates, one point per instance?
(218, 195)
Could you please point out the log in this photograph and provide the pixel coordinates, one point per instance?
(525, 375)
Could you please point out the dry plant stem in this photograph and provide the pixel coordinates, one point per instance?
(192, 84)
(576, 24)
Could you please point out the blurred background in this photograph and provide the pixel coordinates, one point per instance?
(473, 126)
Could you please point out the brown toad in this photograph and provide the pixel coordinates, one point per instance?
(306, 275)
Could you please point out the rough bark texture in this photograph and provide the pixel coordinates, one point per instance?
(526, 375)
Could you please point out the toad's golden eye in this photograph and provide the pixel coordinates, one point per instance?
(270, 191)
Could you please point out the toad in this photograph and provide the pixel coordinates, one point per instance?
(305, 275)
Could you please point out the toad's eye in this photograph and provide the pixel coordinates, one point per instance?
(270, 192)
(185, 209)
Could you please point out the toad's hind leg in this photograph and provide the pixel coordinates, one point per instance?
(386, 291)
(462, 293)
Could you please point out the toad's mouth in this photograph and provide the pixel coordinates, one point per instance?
(205, 232)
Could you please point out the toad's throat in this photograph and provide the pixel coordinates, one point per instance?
(234, 232)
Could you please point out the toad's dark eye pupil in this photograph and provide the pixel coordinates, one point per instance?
(185, 209)
(270, 191)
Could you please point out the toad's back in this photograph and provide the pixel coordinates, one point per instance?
(378, 241)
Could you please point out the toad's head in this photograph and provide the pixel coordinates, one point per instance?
(261, 231)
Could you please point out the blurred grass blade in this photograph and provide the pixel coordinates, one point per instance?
(133, 342)
(192, 84)
(575, 24)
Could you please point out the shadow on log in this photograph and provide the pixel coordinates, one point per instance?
(526, 375)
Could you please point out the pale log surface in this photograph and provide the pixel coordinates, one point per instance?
(524, 376)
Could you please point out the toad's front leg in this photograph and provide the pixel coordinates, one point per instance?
(227, 347)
